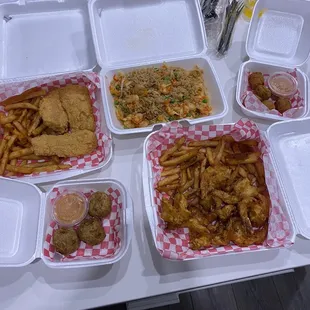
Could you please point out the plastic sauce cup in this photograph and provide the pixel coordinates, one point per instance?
(282, 84)
(70, 208)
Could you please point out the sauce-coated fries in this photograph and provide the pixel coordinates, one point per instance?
(20, 122)
(217, 190)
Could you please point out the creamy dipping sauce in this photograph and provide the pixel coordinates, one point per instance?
(70, 209)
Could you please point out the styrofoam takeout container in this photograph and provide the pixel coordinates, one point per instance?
(135, 34)
(25, 218)
(277, 41)
(55, 39)
(296, 214)
(290, 145)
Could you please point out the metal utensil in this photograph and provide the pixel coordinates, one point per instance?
(233, 12)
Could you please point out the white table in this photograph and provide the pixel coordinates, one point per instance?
(142, 273)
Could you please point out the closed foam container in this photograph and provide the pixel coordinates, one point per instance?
(289, 150)
(277, 40)
(129, 35)
(24, 220)
(46, 38)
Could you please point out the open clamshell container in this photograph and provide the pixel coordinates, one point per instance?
(277, 41)
(129, 35)
(46, 39)
(290, 145)
(25, 221)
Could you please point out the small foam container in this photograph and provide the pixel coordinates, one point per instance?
(136, 34)
(25, 219)
(277, 41)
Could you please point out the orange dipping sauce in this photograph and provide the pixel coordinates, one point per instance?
(70, 209)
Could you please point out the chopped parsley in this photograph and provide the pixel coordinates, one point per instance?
(118, 87)
(172, 101)
(205, 100)
(116, 102)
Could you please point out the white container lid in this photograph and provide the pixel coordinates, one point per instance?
(279, 32)
(290, 145)
(45, 37)
(141, 31)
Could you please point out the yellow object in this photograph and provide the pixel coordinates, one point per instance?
(248, 9)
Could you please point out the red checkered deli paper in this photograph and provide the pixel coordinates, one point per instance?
(108, 248)
(92, 82)
(252, 103)
(174, 244)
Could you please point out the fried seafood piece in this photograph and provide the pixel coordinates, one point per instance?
(283, 104)
(221, 236)
(52, 112)
(254, 212)
(263, 92)
(238, 233)
(226, 212)
(214, 178)
(226, 197)
(243, 189)
(198, 241)
(75, 100)
(256, 79)
(65, 241)
(77, 143)
(178, 214)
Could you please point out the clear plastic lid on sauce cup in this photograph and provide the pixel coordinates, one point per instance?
(70, 208)
(282, 84)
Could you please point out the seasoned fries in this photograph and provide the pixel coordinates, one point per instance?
(217, 190)
(21, 122)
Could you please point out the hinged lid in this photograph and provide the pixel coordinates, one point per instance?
(290, 145)
(141, 31)
(22, 211)
(45, 37)
(278, 32)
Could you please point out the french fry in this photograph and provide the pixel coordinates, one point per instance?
(243, 172)
(38, 130)
(173, 149)
(219, 152)
(23, 163)
(189, 163)
(196, 178)
(3, 144)
(36, 101)
(40, 164)
(34, 124)
(51, 168)
(243, 158)
(210, 156)
(4, 162)
(179, 153)
(31, 157)
(190, 193)
(260, 172)
(206, 143)
(13, 162)
(235, 148)
(20, 119)
(21, 153)
(203, 165)
(249, 142)
(7, 119)
(20, 128)
(21, 105)
(170, 172)
(28, 94)
(19, 169)
(11, 142)
(178, 160)
(167, 188)
(189, 173)
(183, 177)
(64, 167)
(168, 180)
(186, 186)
